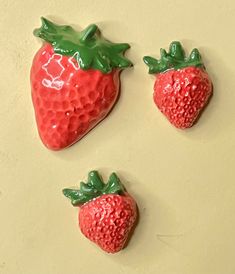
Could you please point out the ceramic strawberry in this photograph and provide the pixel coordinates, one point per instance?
(182, 87)
(74, 81)
(107, 213)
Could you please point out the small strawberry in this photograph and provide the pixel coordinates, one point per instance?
(75, 82)
(107, 213)
(182, 87)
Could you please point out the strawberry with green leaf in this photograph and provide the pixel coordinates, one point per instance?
(107, 212)
(182, 88)
(74, 80)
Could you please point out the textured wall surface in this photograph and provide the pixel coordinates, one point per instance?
(183, 181)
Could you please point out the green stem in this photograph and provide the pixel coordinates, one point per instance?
(94, 187)
(88, 33)
(93, 50)
(174, 59)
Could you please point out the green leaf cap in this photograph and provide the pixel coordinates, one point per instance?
(88, 48)
(174, 59)
(93, 188)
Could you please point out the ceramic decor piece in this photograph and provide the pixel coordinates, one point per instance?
(107, 213)
(74, 81)
(182, 87)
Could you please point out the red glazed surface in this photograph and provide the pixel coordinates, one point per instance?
(108, 220)
(68, 101)
(182, 94)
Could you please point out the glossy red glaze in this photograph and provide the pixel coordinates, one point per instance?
(108, 220)
(68, 101)
(182, 94)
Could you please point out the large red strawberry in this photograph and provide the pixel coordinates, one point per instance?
(182, 87)
(107, 213)
(74, 80)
